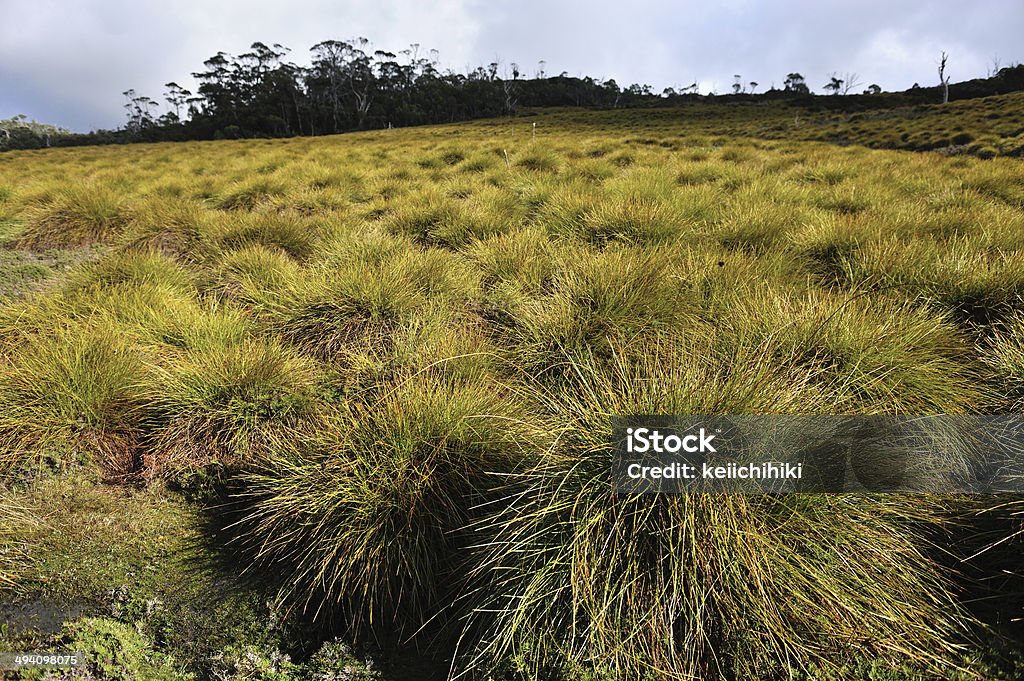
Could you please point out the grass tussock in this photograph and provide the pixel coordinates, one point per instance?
(132, 269)
(757, 228)
(224, 405)
(249, 274)
(289, 232)
(246, 195)
(616, 294)
(71, 392)
(576, 580)
(887, 356)
(385, 496)
(76, 215)
(525, 258)
(979, 285)
(360, 302)
(174, 227)
(434, 219)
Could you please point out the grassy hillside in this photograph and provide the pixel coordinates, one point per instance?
(372, 376)
(983, 127)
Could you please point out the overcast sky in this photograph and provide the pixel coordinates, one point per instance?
(67, 61)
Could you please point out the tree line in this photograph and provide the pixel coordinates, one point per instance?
(350, 86)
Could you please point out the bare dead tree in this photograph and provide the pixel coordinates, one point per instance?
(851, 80)
(996, 67)
(943, 78)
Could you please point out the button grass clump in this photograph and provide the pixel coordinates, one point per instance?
(574, 580)
(368, 522)
(75, 215)
(72, 391)
(224, 405)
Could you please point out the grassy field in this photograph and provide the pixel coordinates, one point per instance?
(276, 407)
